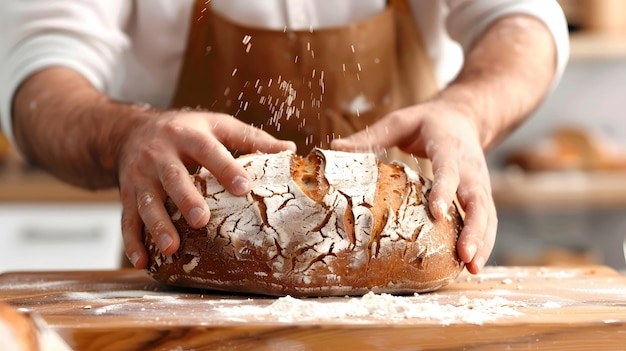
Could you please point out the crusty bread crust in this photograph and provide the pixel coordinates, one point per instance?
(331, 223)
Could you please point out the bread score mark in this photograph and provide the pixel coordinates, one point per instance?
(330, 223)
(388, 199)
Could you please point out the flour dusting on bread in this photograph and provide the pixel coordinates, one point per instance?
(330, 223)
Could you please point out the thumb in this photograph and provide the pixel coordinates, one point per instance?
(379, 135)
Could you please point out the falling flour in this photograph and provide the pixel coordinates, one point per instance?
(383, 307)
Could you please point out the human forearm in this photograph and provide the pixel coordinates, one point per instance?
(505, 76)
(64, 125)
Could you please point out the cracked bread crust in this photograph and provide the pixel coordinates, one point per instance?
(330, 223)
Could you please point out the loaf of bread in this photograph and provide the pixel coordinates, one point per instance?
(570, 148)
(330, 223)
(17, 331)
(24, 331)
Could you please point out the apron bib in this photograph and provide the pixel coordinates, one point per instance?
(307, 86)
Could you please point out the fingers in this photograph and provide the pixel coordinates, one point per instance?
(154, 167)
(241, 136)
(445, 163)
(460, 169)
(385, 133)
(211, 154)
(450, 141)
(143, 204)
(479, 231)
(176, 182)
(132, 230)
(487, 244)
(207, 148)
(143, 198)
(150, 206)
(480, 223)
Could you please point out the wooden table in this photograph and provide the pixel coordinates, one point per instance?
(502, 308)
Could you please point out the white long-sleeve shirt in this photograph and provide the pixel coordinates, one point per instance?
(132, 50)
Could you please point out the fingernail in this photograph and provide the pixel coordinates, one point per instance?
(289, 145)
(240, 185)
(195, 215)
(480, 262)
(472, 249)
(134, 258)
(165, 242)
(443, 208)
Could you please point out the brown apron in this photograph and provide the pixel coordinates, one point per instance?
(308, 86)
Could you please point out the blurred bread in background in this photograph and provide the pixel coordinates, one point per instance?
(17, 331)
(554, 256)
(25, 331)
(570, 148)
(603, 17)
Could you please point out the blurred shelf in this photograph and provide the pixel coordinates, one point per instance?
(597, 46)
(21, 184)
(559, 191)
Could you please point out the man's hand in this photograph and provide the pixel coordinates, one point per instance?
(505, 76)
(152, 166)
(82, 137)
(441, 133)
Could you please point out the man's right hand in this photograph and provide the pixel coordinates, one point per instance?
(82, 137)
(152, 166)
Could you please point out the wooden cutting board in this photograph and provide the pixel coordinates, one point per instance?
(511, 308)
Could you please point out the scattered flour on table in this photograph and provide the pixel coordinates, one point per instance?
(383, 307)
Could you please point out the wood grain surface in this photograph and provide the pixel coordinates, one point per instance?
(510, 308)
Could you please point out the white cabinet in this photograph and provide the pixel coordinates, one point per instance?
(60, 236)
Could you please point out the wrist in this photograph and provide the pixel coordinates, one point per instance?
(464, 103)
(500, 85)
(73, 131)
(118, 121)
